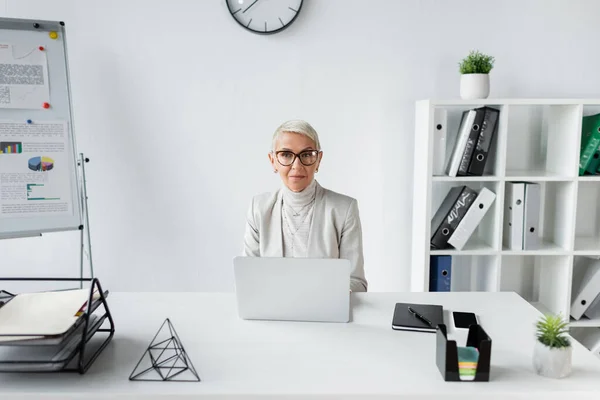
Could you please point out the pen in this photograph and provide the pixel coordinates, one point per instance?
(421, 317)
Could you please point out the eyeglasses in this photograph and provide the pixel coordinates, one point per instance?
(287, 158)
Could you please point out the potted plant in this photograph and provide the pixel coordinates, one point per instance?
(475, 78)
(552, 352)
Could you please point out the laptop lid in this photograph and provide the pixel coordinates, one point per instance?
(293, 289)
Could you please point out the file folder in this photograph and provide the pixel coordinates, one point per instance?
(587, 293)
(35, 315)
(593, 310)
(44, 357)
(513, 220)
(65, 324)
(489, 128)
(590, 143)
(531, 216)
(440, 120)
(472, 218)
(466, 124)
(471, 142)
(440, 273)
(449, 214)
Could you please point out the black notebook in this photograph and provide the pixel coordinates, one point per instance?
(405, 320)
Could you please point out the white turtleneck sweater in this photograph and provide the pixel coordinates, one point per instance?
(296, 218)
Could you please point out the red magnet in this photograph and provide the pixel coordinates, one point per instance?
(42, 48)
(46, 105)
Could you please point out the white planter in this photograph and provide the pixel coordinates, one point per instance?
(552, 362)
(474, 86)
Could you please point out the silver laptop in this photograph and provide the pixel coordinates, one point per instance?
(293, 289)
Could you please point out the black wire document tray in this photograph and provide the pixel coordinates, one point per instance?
(71, 351)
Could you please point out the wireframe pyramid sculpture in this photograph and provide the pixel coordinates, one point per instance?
(165, 359)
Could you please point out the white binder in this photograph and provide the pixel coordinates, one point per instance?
(531, 215)
(513, 215)
(472, 218)
(461, 141)
(593, 310)
(590, 288)
(440, 120)
(591, 340)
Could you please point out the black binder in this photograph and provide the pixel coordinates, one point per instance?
(471, 142)
(489, 127)
(449, 214)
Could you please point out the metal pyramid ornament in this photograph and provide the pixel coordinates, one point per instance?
(165, 359)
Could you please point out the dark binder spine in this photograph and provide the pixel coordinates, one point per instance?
(471, 142)
(489, 127)
(443, 210)
(451, 221)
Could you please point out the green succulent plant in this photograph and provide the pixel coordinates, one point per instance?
(551, 330)
(476, 63)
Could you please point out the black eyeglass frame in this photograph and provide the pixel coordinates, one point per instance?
(297, 156)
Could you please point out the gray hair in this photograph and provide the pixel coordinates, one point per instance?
(297, 126)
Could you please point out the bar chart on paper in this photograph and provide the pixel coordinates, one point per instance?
(41, 164)
(39, 191)
(11, 147)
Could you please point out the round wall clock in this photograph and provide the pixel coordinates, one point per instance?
(264, 16)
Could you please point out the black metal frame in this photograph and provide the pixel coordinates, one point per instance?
(158, 365)
(82, 364)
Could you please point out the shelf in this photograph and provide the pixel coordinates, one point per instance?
(545, 248)
(585, 322)
(458, 179)
(474, 246)
(504, 101)
(589, 178)
(536, 176)
(588, 245)
(538, 141)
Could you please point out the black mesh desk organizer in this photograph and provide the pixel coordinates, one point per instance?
(68, 352)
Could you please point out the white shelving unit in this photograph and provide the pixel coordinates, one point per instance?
(537, 140)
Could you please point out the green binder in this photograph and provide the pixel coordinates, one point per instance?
(589, 159)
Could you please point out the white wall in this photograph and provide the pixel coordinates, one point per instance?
(175, 105)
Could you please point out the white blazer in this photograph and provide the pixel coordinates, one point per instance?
(335, 231)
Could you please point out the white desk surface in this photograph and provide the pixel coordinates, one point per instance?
(361, 359)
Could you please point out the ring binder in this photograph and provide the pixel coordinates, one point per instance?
(61, 351)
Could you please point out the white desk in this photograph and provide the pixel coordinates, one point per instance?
(363, 358)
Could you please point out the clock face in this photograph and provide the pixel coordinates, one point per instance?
(264, 16)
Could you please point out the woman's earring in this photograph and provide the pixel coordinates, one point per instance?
(275, 171)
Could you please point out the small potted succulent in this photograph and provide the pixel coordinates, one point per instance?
(475, 78)
(552, 353)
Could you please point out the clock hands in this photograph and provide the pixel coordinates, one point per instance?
(253, 3)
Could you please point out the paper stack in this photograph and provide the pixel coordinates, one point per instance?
(467, 363)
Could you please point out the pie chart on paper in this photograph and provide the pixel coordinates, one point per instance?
(41, 164)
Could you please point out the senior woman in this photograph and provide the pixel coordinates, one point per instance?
(303, 219)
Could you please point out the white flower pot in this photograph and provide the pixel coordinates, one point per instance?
(552, 362)
(474, 86)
